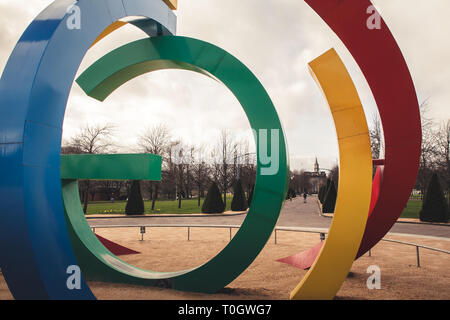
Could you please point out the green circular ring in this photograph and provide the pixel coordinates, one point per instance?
(173, 52)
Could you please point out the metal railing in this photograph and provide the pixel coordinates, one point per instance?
(321, 231)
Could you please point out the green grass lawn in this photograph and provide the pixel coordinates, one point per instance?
(161, 207)
(412, 209)
(190, 206)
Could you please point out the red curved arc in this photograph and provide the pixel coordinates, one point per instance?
(387, 74)
(383, 65)
(376, 188)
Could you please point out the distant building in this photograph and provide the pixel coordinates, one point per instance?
(316, 178)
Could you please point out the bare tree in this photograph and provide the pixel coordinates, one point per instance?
(179, 167)
(300, 182)
(376, 136)
(428, 149)
(200, 174)
(189, 164)
(112, 189)
(92, 140)
(433, 148)
(443, 152)
(155, 140)
(169, 179)
(334, 175)
(247, 168)
(65, 149)
(226, 148)
(174, 173)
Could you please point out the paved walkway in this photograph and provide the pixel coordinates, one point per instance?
(294, 214)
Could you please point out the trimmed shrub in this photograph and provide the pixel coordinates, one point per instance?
(321, 195)
(250, 196)
(239, 202)
(330, 199)
(290, 194)
(328, 184)
(135, 204)
(213, 202)
(434, 207)
(324, 189)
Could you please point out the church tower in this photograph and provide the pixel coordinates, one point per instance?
(316, 166)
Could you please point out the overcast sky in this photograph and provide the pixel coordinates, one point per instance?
(276, 39)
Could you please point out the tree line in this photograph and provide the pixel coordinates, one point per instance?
(433, 178)
(435, 155)
(187, 170)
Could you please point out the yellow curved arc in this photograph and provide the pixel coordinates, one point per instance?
(335, 259)
(173, 4)
(110, 29)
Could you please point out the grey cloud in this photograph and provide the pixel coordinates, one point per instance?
(275, 39)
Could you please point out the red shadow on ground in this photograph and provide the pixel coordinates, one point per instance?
(116, 248)
(305, 259)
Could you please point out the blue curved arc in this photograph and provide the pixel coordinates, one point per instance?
(34, 246)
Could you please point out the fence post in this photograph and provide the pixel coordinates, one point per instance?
(142, 229)
(418, 257)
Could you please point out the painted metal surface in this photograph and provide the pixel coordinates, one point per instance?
(387, 74)
(338, 252)
(76, 167)
(111, 167)
(108, 30)
(35, 251)
(173, 4)
(147, 55)
(34, 248)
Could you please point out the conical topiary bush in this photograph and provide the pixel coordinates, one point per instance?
(239, 202)
(322, 191)
(328, 185)
(330, 199)
(434, 207)
(325, 189)
(290, 194)
(250, 196)
(213, 202)
(135, 204)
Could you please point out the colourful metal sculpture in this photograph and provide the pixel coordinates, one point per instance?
(48, 279)
(147, 55)
(35, 250)
(387, 74)
(355, 184)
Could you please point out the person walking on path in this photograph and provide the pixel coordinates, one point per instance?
(304, 197)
